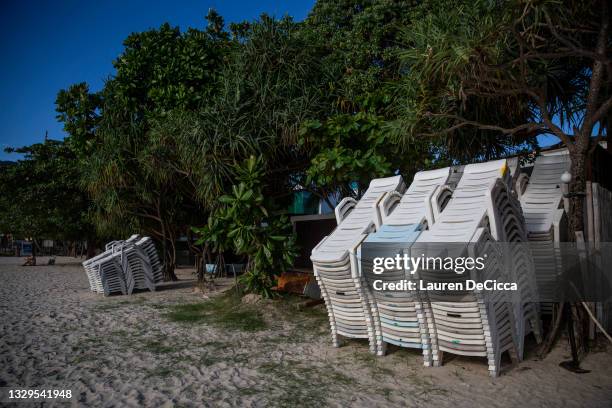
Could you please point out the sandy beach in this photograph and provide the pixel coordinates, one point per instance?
(176, 348)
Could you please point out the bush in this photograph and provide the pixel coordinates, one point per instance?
(245, 222)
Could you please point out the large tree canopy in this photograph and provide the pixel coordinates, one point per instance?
(41, 194)
(131, 173)
(362, 42)
(507, 72)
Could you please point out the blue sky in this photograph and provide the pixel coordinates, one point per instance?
(48, 45)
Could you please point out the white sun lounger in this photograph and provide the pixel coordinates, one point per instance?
(335, 263)
(91, 269)
(398, 317)
(124, 266)
(109, 275)
(545, 220)
(148, 246)
(136, 269)
(483, 323)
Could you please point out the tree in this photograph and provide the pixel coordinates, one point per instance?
(348, 150)
(41, 196)
(79, 110)
(130, 170)
(361, 38)
(272, 81)
(364, 44)
(513, 70)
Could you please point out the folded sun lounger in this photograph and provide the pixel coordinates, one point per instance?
(478, 214)
(124, 266)
(335, 263)
(398, 317)
(545, 220)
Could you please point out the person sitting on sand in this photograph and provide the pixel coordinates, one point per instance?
(30, 261)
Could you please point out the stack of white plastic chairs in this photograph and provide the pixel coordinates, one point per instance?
(336, 267)
(481, 211)
(104, 274)
(124, 266)
(545, 220)
(147, 245)
(136, 269)
(518, 263)
(474, 206)
(398, 316)
(482, 323)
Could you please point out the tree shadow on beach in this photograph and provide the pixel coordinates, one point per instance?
(180, 284)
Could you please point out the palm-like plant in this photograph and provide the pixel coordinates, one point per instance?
(246, 223)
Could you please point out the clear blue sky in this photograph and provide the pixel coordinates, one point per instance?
(49, 45)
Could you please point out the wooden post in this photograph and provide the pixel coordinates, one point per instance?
(589, 212)
(596, 215)
(599, 311)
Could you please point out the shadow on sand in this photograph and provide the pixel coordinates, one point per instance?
(180, 284)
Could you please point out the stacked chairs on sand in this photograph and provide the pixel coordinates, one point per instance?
(116, 245)
(104, 273)
(111, 274)
(519, 264)
(136, 269)
(336, 268)
(542, 204)
(398, 316)
(124, 266)
(147, 245)
(471, 206)
(482, 323)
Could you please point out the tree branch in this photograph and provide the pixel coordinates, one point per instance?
(464, 122)
(603, 109)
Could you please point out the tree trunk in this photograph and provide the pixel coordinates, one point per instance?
(580, 156)
(91, 247)
(201, 260)
(171, 275)
(33, 251)
(577, 188)
(169, 267)
(198, 267)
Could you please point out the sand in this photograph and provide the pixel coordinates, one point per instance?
(125, 351)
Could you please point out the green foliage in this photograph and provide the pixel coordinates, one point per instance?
(78, 110)
(362, 42)
(132, 172)
(41, 197)
(244, 222)
(346, 149)
(350, 94)
(164, 69)
(354, 143)
(440, 50)
(273, 81)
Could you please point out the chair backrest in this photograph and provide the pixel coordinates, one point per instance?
(544, 194)
(468, 205)
(364, 212)
(412, 207)
(356, 224)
